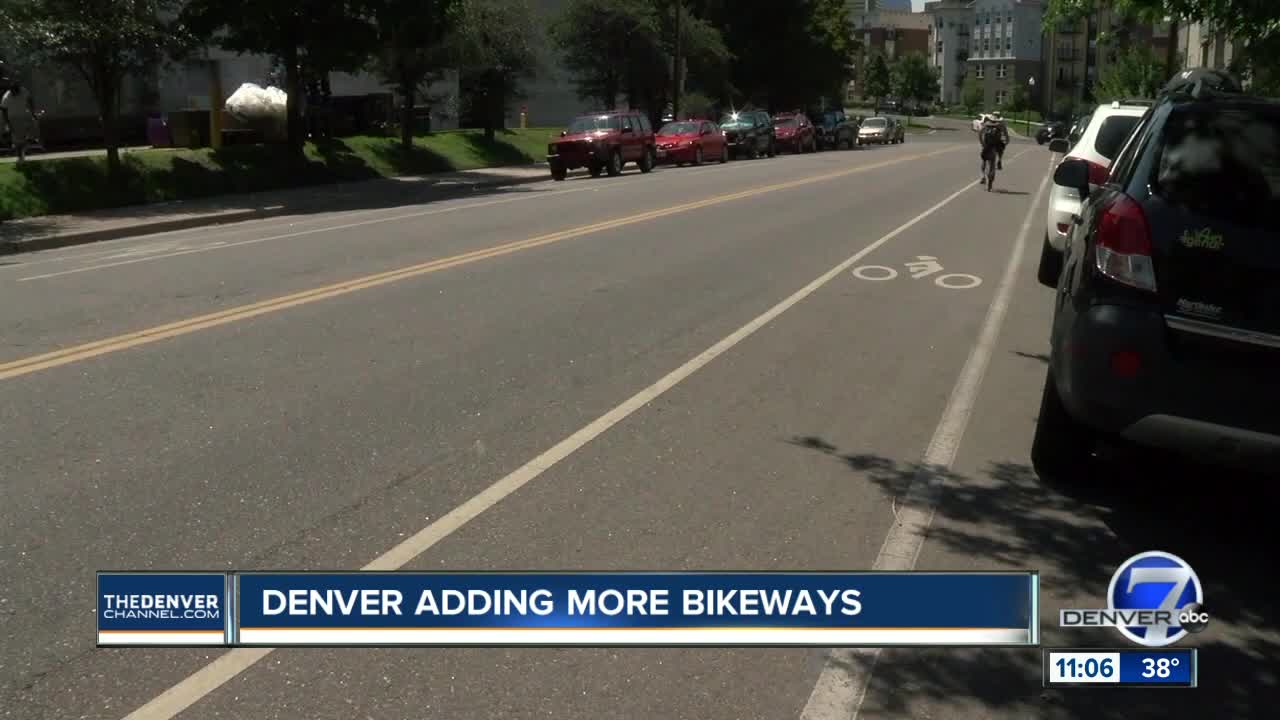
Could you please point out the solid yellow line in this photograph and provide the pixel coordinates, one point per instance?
(77, 353)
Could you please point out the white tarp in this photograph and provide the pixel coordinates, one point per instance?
(252, 102)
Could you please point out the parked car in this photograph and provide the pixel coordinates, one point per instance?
(1050, 131)
(1109, 126)
(691, 141)
(604, 142)
(877, 130)
(1166, 326)
(795, 133)
(749, 133)
(835, 130)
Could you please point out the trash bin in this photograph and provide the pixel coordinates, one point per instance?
(158, 132)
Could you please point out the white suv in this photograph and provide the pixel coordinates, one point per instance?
(1108, 128)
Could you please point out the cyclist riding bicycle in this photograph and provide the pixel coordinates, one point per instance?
(993, 135)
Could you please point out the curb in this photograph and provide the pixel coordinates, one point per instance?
(86, 237)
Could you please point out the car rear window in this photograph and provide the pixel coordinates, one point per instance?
(1112, 134)
(1222, 162)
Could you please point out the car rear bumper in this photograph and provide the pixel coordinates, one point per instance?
(1207, 397)
(1063, 204)
(675, 154)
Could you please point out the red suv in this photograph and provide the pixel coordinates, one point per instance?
(604, 142)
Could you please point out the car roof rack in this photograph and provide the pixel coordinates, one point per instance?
(1202, 83)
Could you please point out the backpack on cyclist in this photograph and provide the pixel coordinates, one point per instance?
(991, 135)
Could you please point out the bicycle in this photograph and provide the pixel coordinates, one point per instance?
(989, 167)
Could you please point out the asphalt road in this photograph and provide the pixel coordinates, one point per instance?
(310, 392)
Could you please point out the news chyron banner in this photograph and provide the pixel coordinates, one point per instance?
(502, 609)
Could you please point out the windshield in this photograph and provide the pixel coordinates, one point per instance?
(594, 122)
(874, 123)
(735, 119)
(679, 128)
(785, 122)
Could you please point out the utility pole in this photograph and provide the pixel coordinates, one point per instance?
(677, 80)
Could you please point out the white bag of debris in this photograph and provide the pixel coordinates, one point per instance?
(254, 102)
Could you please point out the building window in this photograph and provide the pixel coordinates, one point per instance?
(1008, 44)
(1001, 96)
(986, 44)
(1002, 71)
(978, 71)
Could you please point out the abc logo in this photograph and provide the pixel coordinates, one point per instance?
(1193, 618)
(1159, 581)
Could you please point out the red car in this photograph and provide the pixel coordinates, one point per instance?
(604, 142)
(691, 141)
(795, 132)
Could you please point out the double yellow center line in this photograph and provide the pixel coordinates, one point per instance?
(117, 343)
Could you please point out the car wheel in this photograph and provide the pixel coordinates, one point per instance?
(1050, 264)
(595, 168)
(1061, 446)
(753, 152)
(697, 155)
(773, 149)
(559, 173)
(724, 155)
(615, 163)
(647, 160)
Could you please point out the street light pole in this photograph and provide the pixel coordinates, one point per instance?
(1026, 115)
(677, 75)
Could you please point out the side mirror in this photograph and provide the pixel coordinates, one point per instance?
(705, 131)
(1073, 173)
(564, 133)
(1059, 145)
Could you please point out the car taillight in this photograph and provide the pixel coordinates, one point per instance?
(1123, 241)
(1097, 173)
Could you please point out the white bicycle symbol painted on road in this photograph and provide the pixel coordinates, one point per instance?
(922, 267)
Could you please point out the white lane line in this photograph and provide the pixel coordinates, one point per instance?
(296, 233)
(210, 677)
(842, 686)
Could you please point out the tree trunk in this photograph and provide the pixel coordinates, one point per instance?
(408, 88)
(495, 100)
(293, 114)
(111, 130)
(675, 68)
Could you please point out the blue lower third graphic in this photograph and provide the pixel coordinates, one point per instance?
(1121, 668)
(640, 609)
(149, 609)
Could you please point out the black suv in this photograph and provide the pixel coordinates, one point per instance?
(1166, 327)
(749, 133)
(835, 130)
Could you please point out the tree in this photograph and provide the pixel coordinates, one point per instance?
(305, 36)
(912, 78)
(599, 38)
(972, 95)
(1018, 100)
(103, 41)
(876, 78)
(496, 45)
(411, 37)
(1137, 72)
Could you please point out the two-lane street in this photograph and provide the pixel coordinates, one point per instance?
(824, 361)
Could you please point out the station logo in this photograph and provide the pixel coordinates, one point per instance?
(1154, 599)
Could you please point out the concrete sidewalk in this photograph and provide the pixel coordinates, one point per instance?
(56, 231)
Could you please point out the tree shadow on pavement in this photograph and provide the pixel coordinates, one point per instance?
(1005, 517)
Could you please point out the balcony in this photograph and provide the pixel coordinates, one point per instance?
(1068, 55)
